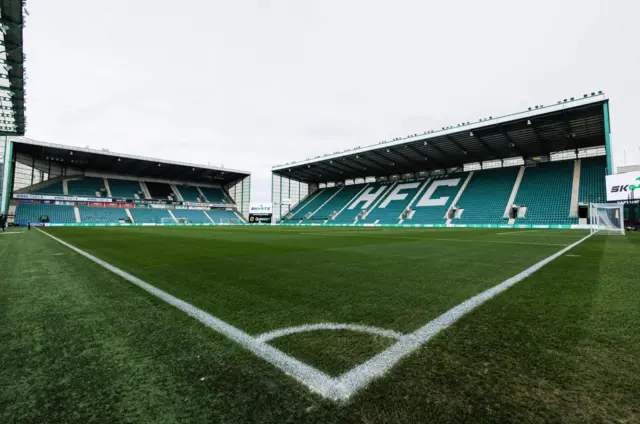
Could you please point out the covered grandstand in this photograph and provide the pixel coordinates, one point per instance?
(540, 167)
(54, 184)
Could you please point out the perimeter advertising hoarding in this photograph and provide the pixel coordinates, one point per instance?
(260, 212)
(624, 186)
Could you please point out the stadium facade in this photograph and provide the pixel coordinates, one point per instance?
(537, 168)
(54, 184)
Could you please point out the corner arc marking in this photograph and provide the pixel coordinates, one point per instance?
(271, 335)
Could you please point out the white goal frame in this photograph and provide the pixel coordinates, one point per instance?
(606, 218)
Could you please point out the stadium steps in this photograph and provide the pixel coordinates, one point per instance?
(189, 193)
(76, 213)
(327, 201)
(575, 189)
(359, 191)
(391, 208)
(303, 204)
(176, 192)
(129, 215)
(338, 202)
(593, 172)
(416, 197)
(88, 186)
(208, 216)
(457, 198)
(126, 189)
(172, 215)
(65, 187)
(145, 190)
(485, 197)
(316, 203)
(546, 192)
(514, 193)
(213, 194)
(434, 213)
(378, 200)
(11, 214)
(107, 187)
(369, 195)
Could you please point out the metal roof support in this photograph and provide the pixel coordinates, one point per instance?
(511, 142)
(464, 151)
(537, 134)
(407, 158)
(426, 156)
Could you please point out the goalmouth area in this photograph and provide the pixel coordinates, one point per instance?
(318, 324)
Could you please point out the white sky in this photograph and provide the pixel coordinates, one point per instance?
(252, 84)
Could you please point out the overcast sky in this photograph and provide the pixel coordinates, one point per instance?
(252, 84)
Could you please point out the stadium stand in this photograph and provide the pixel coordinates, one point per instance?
(189, 193)
(592, 182)
(215, 195)
(223, 216)
(55, 189)
(144, 215)
(33, 212)
(485, 197)
(92, 187)
(125, 189)
(192, 216)
(337, 202)
(390, 208)
(546, 193)
(317, 202)
(91, 214)
(434, 214)
(159, 190)
(351, 212)
(296, 214)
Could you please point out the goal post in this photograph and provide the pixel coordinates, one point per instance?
(171, 221)
(606, 218)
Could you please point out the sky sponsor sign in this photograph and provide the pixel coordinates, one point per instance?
(624, 186)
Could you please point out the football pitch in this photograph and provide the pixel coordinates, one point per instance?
(318, 325)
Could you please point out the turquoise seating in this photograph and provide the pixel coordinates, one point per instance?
(435, 214)
(192, 216)
(189, 193)
(546, 192)
(32, 212)
(390, 213)
(348, 216)
(339, 200)
(146, 216)
(124, 189)
(89, 187)
(593, 187)
(90, 214)
(485, 198)
(215, 195)
(54, 189)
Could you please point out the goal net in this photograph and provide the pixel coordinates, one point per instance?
(168, 220)
(606, 218)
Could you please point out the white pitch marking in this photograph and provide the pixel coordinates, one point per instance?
(358, 377)
(57, 254)
(265, 337)
(343, 387)
(11, 232)
(314, 379)
(573, 256)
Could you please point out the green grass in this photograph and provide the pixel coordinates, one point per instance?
(80, 344)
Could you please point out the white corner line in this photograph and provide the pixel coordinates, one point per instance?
(271, 335)
(344, 386)
(314, 379)
(360, 376)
